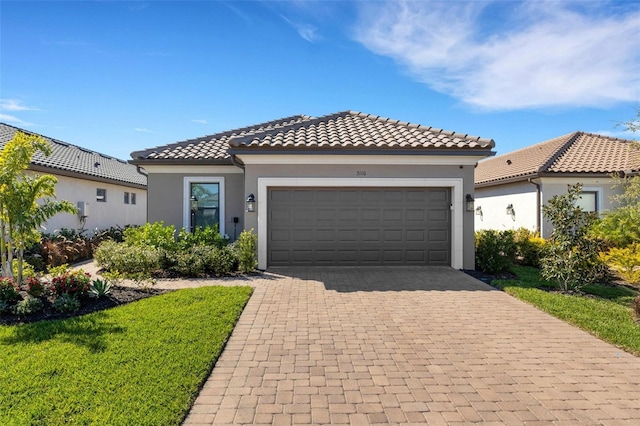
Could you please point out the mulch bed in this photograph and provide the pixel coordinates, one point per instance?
(489, 278)
(119, 296)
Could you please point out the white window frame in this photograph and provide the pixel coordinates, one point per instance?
(186, 195)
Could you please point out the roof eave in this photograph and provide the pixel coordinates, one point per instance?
(484, 152)
(181, 161)
(84, 176)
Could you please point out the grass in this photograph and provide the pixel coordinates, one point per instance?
(606, 313)
(141, 363)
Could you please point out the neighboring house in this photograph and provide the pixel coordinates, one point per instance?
(109, 191)
(512, 188)
(342, 189)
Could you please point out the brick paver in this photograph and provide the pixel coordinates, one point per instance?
(408, 345)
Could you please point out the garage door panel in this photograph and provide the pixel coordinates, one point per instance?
(358, 226)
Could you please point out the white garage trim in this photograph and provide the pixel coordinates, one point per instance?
(457, 206)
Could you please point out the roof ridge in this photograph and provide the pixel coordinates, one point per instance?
(562, 149)
(231, 132)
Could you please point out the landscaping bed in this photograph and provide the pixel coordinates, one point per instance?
(117, 296)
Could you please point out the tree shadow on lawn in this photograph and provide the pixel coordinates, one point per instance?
(86, 330)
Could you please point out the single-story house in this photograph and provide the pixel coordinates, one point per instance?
(510, 189)
(108, 191)
(343, 189)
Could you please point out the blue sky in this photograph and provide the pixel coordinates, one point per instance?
(120, 76)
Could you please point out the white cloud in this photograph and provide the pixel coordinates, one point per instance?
(13, 120)
(15, 105)
(142, 130)
(511, 55)
(306, 31)
(199, 121)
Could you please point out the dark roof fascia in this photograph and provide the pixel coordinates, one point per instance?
(511, 179)
(181, 162)
(377, 151)
(83, 176)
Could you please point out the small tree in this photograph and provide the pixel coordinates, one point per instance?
(26, 202)
(572, 258)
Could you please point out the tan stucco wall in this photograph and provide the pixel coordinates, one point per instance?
(167, 200)
(113, 212)
(255, 171)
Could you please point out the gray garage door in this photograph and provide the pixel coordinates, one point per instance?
(359, 226)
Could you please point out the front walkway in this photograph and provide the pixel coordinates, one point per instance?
(409, 345)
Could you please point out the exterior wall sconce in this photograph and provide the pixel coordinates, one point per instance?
(193, 201)
(469, 203)
(251, 203)
(511, 212)
(479, 211)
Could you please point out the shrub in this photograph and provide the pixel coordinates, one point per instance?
(151, 235)
(4, 307)
(115, 233)
(572, 259)
(73, 283)
(28, 306)
(27, 269)
(636, 307)
(35, 287)
(9, 291)
(223, 260)
(100, 288)
(246, 247)
(208, 236)
(66, 246)
(529, 247)
(127, 259)
(66, 303)
(625, 261)
(495, 250)
(191, 262)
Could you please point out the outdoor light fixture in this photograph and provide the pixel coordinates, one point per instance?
(194, 208)
(251, 203)
(511, 212)
(479, 211)
(469, 203)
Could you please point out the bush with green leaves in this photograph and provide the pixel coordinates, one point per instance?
(9, 291)
(572, 258)
(625, 261)
(224, 260)
(100, 288)
(28, 306)
(495, 250)
(246, 246)
(207, 236)
(529, 247)
(193, 261)
(155, 235)
(66, 303)
(127, 259)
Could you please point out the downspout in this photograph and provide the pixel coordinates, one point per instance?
(538, 206)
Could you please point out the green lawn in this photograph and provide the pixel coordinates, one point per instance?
(138, 364)
(605, 313)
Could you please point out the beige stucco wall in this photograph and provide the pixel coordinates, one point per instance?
(253, 172)
(493, 202)
(113, 212)
(168, 195)
(522, 195)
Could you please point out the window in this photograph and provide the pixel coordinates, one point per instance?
(208, 201)
(101, 195)
(588, 201)
(133, 198)
(126, 198)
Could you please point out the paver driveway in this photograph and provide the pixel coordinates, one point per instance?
(410, 345)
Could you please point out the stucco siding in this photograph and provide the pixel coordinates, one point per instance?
(102, 215)
(167, 203)
(493, 201)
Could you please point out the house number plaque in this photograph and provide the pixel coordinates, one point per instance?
(361, 172)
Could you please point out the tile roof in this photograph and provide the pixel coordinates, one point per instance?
(343, 131)
(578, 152)
(66, 158)
(351, 130)
(209, 148)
